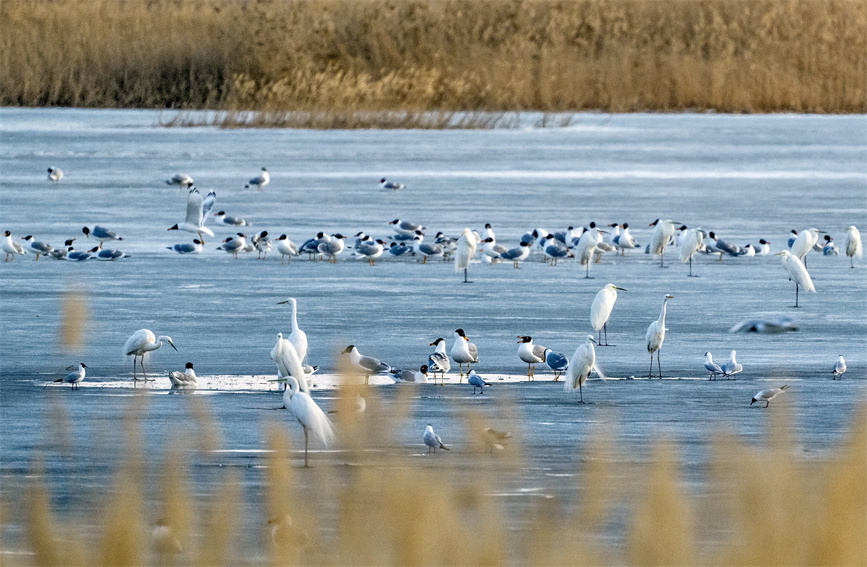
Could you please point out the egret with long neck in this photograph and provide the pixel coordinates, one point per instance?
(297, 337)
(655, 336)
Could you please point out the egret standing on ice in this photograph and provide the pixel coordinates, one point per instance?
(601, 308)
(662, 233)
(655, 336)
(297, 337)
(839, 367)
(690, 244)
(582, 363)
(142, 342)
(288, 363)
(465, 252)
(797, 273)
(309, 415)
(804, 243)
(852, 245)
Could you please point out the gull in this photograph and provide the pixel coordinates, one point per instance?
(181, 179)
(333, 247)
(749, 251)
(488, 232)
(193, 248)
(101, 234)
(411, 376)
(399, 249)
(765, 326)
(495, 439)
(262, 244)
(625, 241)
(518, 254)
(830, 247)
(222, 218)
(712, 366)
(308, 414)
(792, 238)
(601, 308)
(852, 245)
(198, 210)
(764, 247)
(797, 273)
(370, 251)
(662, 232)
(554, 249)
(438, 362)
(185, 379)
(432, 440)
(655, 336)
(426, 250)
(557, 362)
(476, 381)
(234, 244)
(768, 395)
(583, 362)
(297, 337)
(365, 365)
(491, 249)
(689, 245)
(37, 248)
(448, 243)
(286, 248)
(465, 251)
(107, 255)
(839, 367)
(74, 378)
(60, 253)
(405, 227)
(731, 367)
(388, 185)
(463, 351)
(74, 256)
(531, 354)
(260, 181)
(311, 245)
(141, 343)
(725, 248)
(55, 174)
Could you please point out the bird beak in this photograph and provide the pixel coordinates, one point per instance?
(466, 338)
(620, 288)
(593, 340)
(173, 345)
(779, 253)
(753, 401)
(282, 302)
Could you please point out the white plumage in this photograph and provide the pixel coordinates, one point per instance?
(797, 273)
(583, 362)
(852, 245)
(655, 336)
(308, 414)
(465, 251)
(142, 342)
(600, 309)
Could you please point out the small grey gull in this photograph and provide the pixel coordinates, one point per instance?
(830, 247)
(333, 247)
(74, 378)
(193, 248)
(768, 395)
(711, 366)
(438, 362)
(198, 210)
(839, 367)
(223, 218)
(517, 255)
(405, 227)
(370, 250)
(60, 253)
(476, 381)
(234, 244)
(426, 250)
(411, 376)
(101, 234)
(262, 244)
(74, 256)
(260, 181)
(765, 326)
(107, 255)
(557, 362)
(185, 379)
(432, 440)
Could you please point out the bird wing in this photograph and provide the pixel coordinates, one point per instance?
(474, 351)
(556, 361)
(139, 338)
(287, 357)
(439, 362)
(194, 208)
(207, 205)
(312, 417)
(372, 364)
(713, 367)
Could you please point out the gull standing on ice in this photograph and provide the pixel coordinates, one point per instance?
(768, 395)
(141, 343)
(476, 381)
(10, 247)
(732, 367)
(259, 181)
(852, 245)
(464, 352)
(365, 365)
(797, 273)
(531, 354)
(465, 252)
(517, 255)
(655, 336)
(54, 174)
(438, 362)
(234, 244)
(37, 248)
(198, 210)
(601, 308)
(711, 366)
(839, 367)
(74, 378)
(582, 363)
(286, 248)
(185, 379)
(557, 362)
(432, 440)
(101, 234)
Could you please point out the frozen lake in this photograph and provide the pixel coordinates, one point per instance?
(744, 177)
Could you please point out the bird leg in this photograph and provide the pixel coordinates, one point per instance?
(690, 268)
(796, 295)
(658, 365)
(580, 393)
(767, 403)
(557, 375)
(465, 276)
(650, 373)
(305, 447)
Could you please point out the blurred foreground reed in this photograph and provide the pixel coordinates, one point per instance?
(376, 502)
(351, 58)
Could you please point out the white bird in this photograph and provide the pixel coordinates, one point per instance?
(101, 234)
(405, 228)
(491, 249)
(829, 248)
(731, 367)
(625, 241)
(432, 440)
(222, 218)
(438, 362)
(768, 395)
(553, 250)
(557, 362)
(181, 179)
(530, 353)
(37, 248)
(465, 251)
(262, 244)
(365, 365)
(711, 366)
(389, 186)
(54, 174)
(587, 246)
(370, 250)
(309, 415)
(410, 376)
(583, 362)
(193, 248)
(488, 233)
(74, 378)
(297, 337)
(288, 362)
(839, 367)
(518, 254)
(142, 342)
(852, 245)
(476, 381)
(797, 273)
(260, 181)
(749, 251)
(198, 210)
(10, 247)
(662, 232)
(689, 245)
(804, 243)
(286, 248)
(601, 308)
(764, 247)
(185, 379)
(234, 244)
(463, 351)
(333, 247)
(655, 336)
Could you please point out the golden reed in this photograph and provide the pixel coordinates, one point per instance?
(333, 59)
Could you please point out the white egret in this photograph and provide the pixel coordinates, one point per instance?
(768, 395)
(432, 440)
(476, 381)
(587, 246)
(438, 362)
(852, 245)
(465, 251)
(797, 273)
(74, 378)
(600, 309)
(557, 362)
(839, 367)
(732, 367)
(101, 234)
(288, 362)
(464, 352)
(690, 244)
(198, 211)
(297, 337)
(662, 232)
(55, 174)
(365, 365)
(185, 379)
(655, 336)
(711, 366)
(142, 342)
(259, 181)
(531, 354)
(582, 363)
(10, 247)
(804, 243)
(309, 415)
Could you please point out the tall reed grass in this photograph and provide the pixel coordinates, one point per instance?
(350, 57)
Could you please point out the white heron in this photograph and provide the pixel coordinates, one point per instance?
(10, 247)
(297, 337)
(852, 245)
(259, 181)
(662, 232)
(288, 362)
(438, 362)
(432, 440)
(465, 251)
(309, 415)
(476, 381)
(804, 243)
(530, 353)
(198, 210)
(142, 342)
(732, 367)
(582, 363)
(691, 244)
(587, 246)
(655, 336)
(74, 378)
(601, 308)
(839, 367)
(464, 352)
(711, 366)
(768, 395)
(797, 273)
(185, 379)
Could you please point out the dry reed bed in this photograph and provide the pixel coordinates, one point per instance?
(363, 56)
(766, 505)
